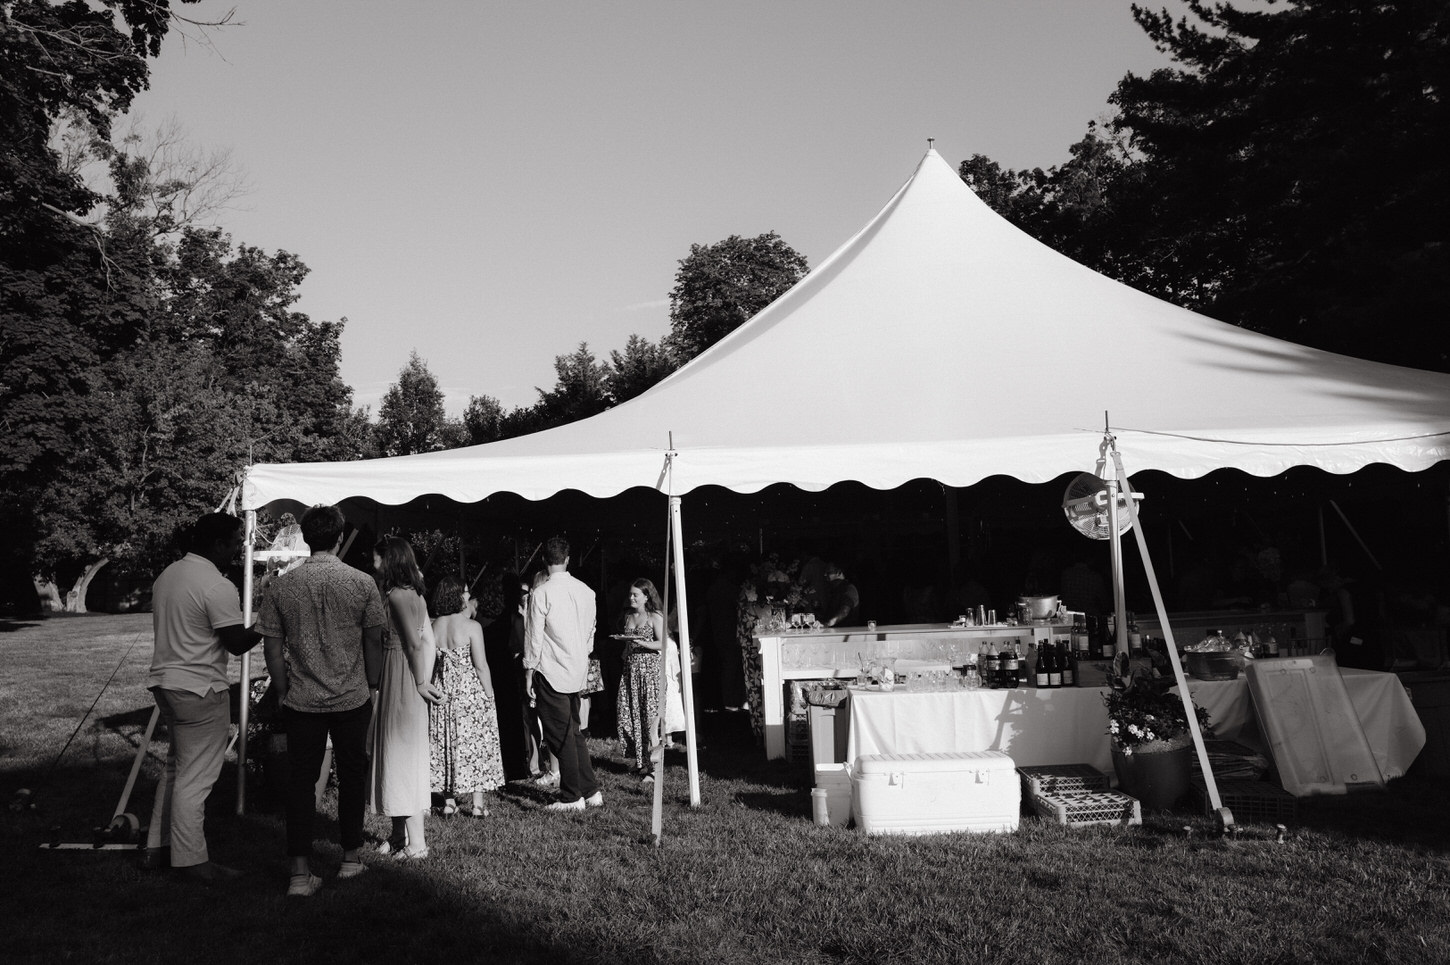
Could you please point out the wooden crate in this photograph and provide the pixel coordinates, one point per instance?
(1080, 809)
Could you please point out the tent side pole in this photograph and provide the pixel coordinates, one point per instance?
(244, 694)
(687, 686)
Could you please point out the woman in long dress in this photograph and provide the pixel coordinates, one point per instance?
(466, 758)
(638, 704)
(399, 784)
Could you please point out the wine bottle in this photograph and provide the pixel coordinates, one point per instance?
(1009, 665)
(1069, 668)
(1135, 636)
(1024, 672)
(1054, 667)
(1040, 676)
(1080, 640)
(991, 664)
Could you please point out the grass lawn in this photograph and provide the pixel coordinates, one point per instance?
(745, 878)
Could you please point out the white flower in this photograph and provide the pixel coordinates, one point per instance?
(1135, 730)
(1112, 727)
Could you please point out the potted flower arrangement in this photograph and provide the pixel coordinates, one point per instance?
(1148, 726)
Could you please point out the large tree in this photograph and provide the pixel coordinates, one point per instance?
(143, 361)
(411, 418)
(1294, 165)
(1285, 174)
(639, 367)
(720, 287)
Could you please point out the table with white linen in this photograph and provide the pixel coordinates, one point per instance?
(1031, 726)
(1069, 726)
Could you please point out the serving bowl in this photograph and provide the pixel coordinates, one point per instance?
(1038, 607)
(1213, 664)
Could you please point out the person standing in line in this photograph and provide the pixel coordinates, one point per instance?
(322, 626)
(463, 727)
(197, 619)
(560, 635)
(399, 781)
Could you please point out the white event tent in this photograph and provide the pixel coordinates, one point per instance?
(942, 342)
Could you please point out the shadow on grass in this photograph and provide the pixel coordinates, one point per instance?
(114, 912)
(10, 626)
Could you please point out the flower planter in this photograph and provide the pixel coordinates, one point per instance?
(1155, 773)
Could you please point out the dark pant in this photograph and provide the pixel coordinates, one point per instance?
(306, 743)
(559, 714)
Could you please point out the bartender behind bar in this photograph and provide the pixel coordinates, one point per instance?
(843, 602)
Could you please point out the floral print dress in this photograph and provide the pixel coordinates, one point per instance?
(463, 729)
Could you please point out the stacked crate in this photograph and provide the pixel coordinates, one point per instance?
(1076, 795)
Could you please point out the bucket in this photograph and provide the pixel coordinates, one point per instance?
(833, 785)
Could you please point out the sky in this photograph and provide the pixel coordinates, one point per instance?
(491, 183)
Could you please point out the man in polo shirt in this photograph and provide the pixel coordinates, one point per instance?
(197, 618)
(559, 635)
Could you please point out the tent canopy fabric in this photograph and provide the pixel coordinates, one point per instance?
(942, 342)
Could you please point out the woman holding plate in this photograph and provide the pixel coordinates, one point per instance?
(642, 628)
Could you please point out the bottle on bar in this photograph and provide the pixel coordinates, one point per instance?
(1135, 636)
(1054, 667)
(990, 666)
(1044, 650)
(1110, 636)
(1069, 668)
(1081, 643)
(1095, 635)
(1024, 672)
(1009, 664)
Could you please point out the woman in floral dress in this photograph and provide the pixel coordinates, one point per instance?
(463, 728)
(638, 704)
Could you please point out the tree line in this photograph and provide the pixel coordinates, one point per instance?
(718, 287)
(1284, 174)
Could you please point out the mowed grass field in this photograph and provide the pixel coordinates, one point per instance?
(745, 878)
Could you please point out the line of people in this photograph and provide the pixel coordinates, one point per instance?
(406, 702)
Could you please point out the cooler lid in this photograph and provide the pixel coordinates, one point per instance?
(926, 763)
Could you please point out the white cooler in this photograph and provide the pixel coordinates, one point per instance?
(934, 793)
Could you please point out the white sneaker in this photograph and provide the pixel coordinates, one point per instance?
(595, 800)
(575, 805)
(303, 886)
(550, 779)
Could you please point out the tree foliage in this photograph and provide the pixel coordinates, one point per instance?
(1294, 166)
(638, 368)
(411, 418)
(1285, 174)
(143, 359)
(720, 287)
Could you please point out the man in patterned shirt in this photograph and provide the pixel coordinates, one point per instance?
(322, 623)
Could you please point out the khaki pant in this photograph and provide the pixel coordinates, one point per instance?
(199, 729)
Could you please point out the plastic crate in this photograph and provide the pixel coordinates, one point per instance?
(1039, 779)
(797, 739)
(1080, 809)
(1252, 802)
(1232, 761)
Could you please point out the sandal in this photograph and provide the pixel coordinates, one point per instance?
(478, 811)
(450, 808)
(389, 846)
(409, 854)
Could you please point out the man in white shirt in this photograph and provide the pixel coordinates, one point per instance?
(558, 637)
(197, 618)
